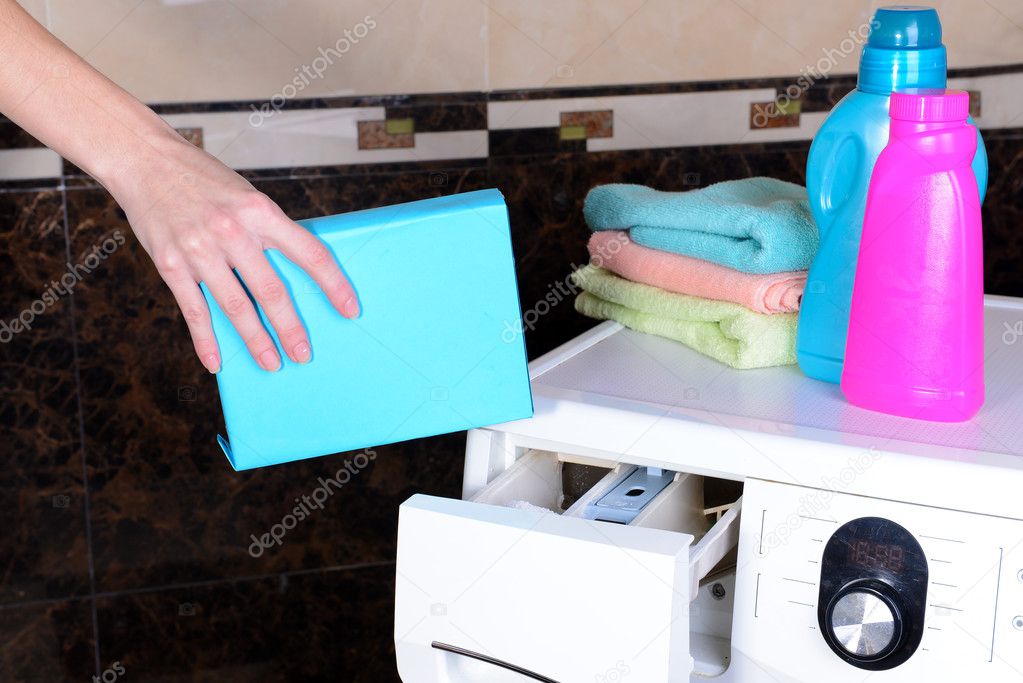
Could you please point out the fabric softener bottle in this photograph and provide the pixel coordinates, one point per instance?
(916, 330)
(904, 50)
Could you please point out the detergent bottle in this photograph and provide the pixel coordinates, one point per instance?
(916, 328)
(904, 50)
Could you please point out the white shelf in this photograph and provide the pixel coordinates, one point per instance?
(650, 400)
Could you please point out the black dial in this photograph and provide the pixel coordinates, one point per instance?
(873, 591)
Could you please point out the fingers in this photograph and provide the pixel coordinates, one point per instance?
(272, 296)
(307, 252)
(197, 316)
(239, 309)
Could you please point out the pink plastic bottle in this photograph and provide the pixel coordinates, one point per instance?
(916, 330)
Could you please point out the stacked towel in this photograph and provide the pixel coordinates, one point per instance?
(756, 225)
(768, 293)
(723, 330)
(721, 269)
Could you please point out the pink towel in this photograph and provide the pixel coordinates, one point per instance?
(769, 293)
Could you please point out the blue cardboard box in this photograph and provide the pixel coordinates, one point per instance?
(437, 348)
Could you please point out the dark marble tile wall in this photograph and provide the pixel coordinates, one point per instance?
(126, 534)
(1003, 214)
(43, 545)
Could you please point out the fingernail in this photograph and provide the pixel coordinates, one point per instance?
(212, 363)
(302, 353)
(268, 360)
(351, 308)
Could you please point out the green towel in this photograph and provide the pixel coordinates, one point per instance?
(725, 331)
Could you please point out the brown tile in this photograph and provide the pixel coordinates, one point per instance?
(12, 136)
(374, 135)
(1003, 213)
(323, 626)
(975, 100)
(598, 124)
(443, 116)
(528, 141)
(310, 197)
(43, 550)
(47, 643)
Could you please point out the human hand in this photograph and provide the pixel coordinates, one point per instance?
(198, 219)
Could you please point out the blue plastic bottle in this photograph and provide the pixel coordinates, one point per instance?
(904, 50)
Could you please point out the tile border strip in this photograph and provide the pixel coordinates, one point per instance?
(344, 132)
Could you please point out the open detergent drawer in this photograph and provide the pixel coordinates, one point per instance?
(499, 588)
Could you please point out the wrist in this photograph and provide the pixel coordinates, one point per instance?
(140, 164)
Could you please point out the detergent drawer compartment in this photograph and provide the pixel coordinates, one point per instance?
(552, 570)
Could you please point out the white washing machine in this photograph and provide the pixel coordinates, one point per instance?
(665, 518)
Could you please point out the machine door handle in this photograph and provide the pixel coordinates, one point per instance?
(490, 660)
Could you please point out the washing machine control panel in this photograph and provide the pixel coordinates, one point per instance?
(873, 588)
(831, 586)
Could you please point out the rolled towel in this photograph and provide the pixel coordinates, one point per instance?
(756, 225)
(725, 331)
(769, 293)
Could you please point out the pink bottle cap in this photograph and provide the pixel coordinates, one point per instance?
(927, 105)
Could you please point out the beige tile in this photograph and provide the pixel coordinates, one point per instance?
(541, 44)
(83, 25)
(30, 164)
(661, 40)
(416, 45)
(534, 43)
(180, 52)
(195, 50)
(37, 8)
(1001, 99)
(218, 49)
(982, 32)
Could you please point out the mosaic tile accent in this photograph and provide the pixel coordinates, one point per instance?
(374, 135)
(774, 114)
(367, 130)
(403, 126)
(572, 133)
(595, 124)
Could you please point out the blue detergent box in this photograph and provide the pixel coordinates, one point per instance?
(437, 348)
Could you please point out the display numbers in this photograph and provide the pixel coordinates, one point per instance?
(870, 555)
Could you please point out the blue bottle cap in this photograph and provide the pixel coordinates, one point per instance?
(904, 50)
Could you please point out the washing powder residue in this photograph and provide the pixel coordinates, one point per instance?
(526, 505)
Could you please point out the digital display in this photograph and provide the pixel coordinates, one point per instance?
(871, 555)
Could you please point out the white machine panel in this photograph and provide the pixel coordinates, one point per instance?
(563, 598)
(972, 625)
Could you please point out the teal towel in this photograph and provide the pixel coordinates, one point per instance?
(756, 225)
(725, 331)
